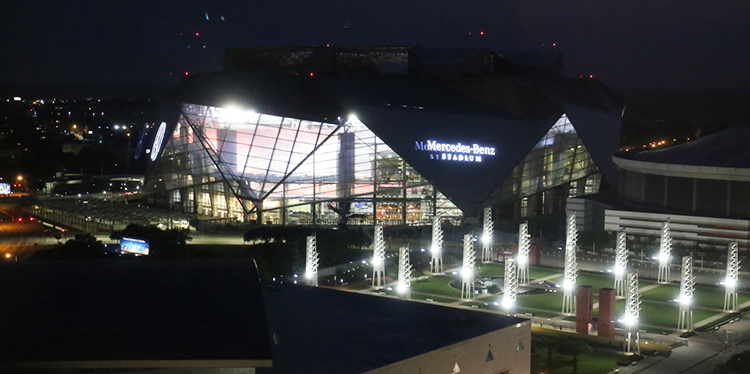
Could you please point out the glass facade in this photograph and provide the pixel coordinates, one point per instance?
(229, 163)
(559, 158)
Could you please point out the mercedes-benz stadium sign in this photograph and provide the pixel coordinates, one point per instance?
(454, 152)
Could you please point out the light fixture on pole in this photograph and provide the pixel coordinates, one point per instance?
(510, 289)
(665, 251)
(687, 287)
(621, 264)
(311, 261)
(404, 273)
(524, 248)
(487, 229)
(733, 270)
(436, 249)
(632, 314)
(378, 258)
(571, 266)
(467, 269)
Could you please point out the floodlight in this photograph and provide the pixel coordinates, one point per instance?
(507, 303)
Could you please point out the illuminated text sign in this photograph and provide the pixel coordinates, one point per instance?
(454, 151)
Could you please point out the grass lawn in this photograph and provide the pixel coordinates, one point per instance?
(421, 296)
(497, 269)
(536, 272)
(491, 270)
(536, 313)
(704, 297)
(596, 362)
(546, 301)
(664, 315)
(436, 284)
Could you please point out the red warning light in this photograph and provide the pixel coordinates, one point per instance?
(311, 74)
(186, 73)
(481, 33)
(196, 34)
(591, 75)
(554, 44)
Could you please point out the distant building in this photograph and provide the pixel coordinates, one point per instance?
(701, 187)
(386, 135)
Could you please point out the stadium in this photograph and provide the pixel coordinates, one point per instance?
(386, 135)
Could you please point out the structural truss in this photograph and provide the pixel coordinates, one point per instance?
(524, 247)
(311, 261)
(733, 270)
(467, 270)
(488, 228)
(621, 264)
(378, 258)
(687, 287)
(510, 290)
(436, 250)
(571, 266)
(665, 251)
(632, 313)
(404, 273)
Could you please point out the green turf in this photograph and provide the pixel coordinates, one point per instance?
(596, 362)
(537, 313)
(703, 297)
(545, 301)
(436, 284)
(664, 315)
(491, 270)
(421, 296)
(536, 272)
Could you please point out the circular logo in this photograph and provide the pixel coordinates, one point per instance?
(157, 141)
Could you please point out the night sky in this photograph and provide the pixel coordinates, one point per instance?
(695, 44)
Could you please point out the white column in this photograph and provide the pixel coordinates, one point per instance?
(687, 286)
(665, 251)
(632, 314)
(404, 273)
(524, 248)
(378, 258)
(467, 270)
(311, 261)
(436, 250)
(510, 287)
(733, 270)
(488, 228)
(571, 266)
(621, 264)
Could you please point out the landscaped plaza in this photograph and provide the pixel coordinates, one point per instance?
(543, 296)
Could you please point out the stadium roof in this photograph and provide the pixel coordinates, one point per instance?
(728, 148)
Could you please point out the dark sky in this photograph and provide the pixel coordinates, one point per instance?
(625, 43)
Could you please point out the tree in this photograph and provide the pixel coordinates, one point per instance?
(544, 342)
(84, 246)
(572, 347)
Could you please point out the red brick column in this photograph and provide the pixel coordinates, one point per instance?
(584, 309)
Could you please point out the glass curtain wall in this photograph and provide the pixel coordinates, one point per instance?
(560, 157)
(291, 171)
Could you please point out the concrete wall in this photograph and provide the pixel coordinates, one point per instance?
(471, 355)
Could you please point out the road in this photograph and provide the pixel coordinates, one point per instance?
(20, 239)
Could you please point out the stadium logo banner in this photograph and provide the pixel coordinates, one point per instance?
(454, 151)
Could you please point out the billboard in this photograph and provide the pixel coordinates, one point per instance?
(4, 189)
(134, 245)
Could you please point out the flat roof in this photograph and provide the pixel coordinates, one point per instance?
(140, 312)
(316, 329)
